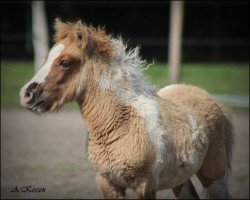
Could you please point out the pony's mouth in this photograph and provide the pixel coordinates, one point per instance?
(38, 107)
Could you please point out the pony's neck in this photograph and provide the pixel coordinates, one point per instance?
(113, 129)
(104, 115)
(118, 92)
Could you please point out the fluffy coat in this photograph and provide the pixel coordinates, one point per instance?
(138, 138)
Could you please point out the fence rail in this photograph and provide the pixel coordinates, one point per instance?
(235, 100)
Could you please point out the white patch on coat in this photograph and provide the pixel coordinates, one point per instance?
(150, 111)
(44, 71)
(193, 124)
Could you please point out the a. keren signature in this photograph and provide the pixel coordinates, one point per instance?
(28, 188)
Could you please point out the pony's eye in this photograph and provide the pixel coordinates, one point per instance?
(65, 63)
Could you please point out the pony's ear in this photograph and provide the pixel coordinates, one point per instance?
(58, 22)
(61, 30)
(81, 34)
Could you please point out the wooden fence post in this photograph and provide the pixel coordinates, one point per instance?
(39, 33)
(175, 39)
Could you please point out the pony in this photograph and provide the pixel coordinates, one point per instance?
(137, 137)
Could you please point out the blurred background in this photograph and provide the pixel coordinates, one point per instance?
(213, 53)
(213, 38)
(212, 31)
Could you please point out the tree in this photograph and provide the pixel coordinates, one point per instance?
(175, 39)
(39, 33)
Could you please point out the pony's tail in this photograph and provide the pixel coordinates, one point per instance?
(228, 134)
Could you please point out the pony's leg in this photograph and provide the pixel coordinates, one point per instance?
(109, 190)
(216, 189)
(185, 191)
(146, 189)
(214, 170)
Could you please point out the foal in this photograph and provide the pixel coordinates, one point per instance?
(137, 138)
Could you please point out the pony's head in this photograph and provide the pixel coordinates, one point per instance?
(69, 69)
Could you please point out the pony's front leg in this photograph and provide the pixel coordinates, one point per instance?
(146, 190)
(109, 190)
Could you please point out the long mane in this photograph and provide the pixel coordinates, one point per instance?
(125, 73)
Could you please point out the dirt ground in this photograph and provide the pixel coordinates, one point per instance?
(49, 152)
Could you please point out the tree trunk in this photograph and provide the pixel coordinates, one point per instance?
(175, 39)
(39, 33)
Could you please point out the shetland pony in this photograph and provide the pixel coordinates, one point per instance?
(138, 138)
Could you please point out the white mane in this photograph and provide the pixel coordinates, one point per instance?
(124, 75)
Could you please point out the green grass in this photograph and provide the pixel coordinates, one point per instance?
(13, 76)
(226, 78)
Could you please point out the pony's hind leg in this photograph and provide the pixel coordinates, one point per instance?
(214, 170)
(216, 189)
(185, 191)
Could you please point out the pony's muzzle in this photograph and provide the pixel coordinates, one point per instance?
(27, 95)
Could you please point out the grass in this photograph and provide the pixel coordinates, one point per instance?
(226, 78)
(13, 76)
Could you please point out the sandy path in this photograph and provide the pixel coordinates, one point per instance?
(48, 152)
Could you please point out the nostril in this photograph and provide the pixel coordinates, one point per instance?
(27, 94)
(32, 86)
(28, 97)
